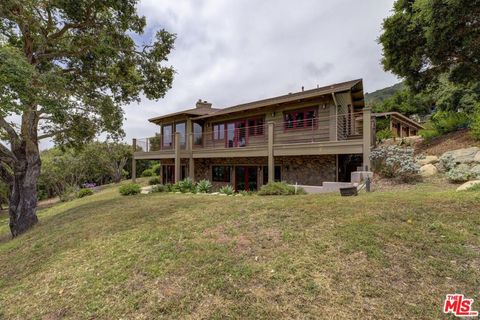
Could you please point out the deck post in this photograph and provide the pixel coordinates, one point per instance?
(367, 138)
(177, 156)
(134, 161)
(271, 160)
(191, 163)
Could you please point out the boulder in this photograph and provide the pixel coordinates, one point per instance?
(427, 160)
(428, 170)
(477, 157)
(467, 155)
(475, 171)
(468, 185)
(146, 190)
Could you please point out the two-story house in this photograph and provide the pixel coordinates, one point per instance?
(306, 137)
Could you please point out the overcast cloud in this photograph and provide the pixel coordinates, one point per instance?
(231, 52)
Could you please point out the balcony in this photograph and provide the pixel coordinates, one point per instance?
(323, 135)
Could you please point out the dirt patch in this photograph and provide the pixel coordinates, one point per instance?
(451, 141)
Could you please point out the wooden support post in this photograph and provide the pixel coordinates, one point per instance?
(271, 160)
(177, 157)
(134, 161)
(367, 138)
(191, 162)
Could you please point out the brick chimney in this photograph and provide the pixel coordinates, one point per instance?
(203, 104)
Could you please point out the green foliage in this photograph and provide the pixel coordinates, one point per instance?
(459, 174)
(172, 187)
(148, 173)
(159, 188)
(228, 190)
(384, 134)
(186, 185)
(204, 186)
(156, 169)
(405, 102)
(129, 189)
(84, 192)
(154, 180)
(68, 193)
(395, 162)
(423, 39)
(475, 127)
(429, 134)
(246, 193)
(383, 94)
(450, 121)
(279, 189)
(474, 188)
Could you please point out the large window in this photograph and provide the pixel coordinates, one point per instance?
(197, 134)
(300, 119)
(221, 173)
(218, 131)
(167, 136)
(255, 127)
(181, 128)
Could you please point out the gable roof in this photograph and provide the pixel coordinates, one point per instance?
(335, 88)
(202, 113)
(400, 116)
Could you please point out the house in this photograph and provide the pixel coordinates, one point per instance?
(400, 125)
(308, 137)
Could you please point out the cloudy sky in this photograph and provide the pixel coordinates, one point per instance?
(230, 52)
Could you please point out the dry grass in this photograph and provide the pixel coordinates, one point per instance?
(384, 255)
(451, 141)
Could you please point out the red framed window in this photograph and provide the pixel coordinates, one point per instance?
(255, 127)
(300, 119)
(219, 131)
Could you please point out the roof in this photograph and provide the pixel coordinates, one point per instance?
(335, 88)
(188, 112)
(201, 113)
(398, 115)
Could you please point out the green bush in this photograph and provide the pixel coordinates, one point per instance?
(156, 169)
(459, 174)
(450, 121)
(129, 189)
(228, 190)
(84, 192)
(186, 185)
(204, 186)
(147, 173)
(475, 127)
(246, 193)
(395, 162)
(154, 180)
(68, 194)
(429, 134)
(475, 188)
(384, 134)
(159, 188)
(279, 189)
(171, 187)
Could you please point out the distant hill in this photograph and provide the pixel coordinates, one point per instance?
(382, 94)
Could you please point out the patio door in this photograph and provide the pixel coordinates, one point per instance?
(245, 178)
(236, 134)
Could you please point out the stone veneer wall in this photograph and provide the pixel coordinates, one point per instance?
(305, 170)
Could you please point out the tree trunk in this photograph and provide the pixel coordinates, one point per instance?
(23, 198)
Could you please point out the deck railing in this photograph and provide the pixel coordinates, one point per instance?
(294, 131)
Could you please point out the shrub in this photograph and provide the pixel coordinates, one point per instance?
(68, 194)
(147, 173)
(279, 188)
(129, 189)
(246, 193)
(171, 187)
(84, 192)
(475, 127)
(156, 169)
(204, 186)
(475, 188)
(384, 134)
(154, 180)
(449, 121)
(395, 162)
(159, 188)
(89, 185)
(228, 190)
(447, 162)
(429, 134)
(186, 185)
(459, 174)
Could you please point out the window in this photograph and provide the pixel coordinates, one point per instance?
(181, 128)
(221, 173)
(255, 127)
(197, 134)
(167, 132)
(300, 119)
(277, 174)
(218, 131)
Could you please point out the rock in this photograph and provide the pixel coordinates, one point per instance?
(428, 170)
(467, 155)
(146, 190)
(477, 157)
(475, 171)
(468, 185)
(427, 160)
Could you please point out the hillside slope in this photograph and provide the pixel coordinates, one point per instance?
(383, 94)
(379, 255)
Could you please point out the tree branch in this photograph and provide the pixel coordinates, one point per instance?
(6, 155)
(10, 130)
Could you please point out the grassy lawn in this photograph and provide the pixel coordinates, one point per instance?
(384, 255)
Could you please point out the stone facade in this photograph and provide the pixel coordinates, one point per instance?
(305, 170)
